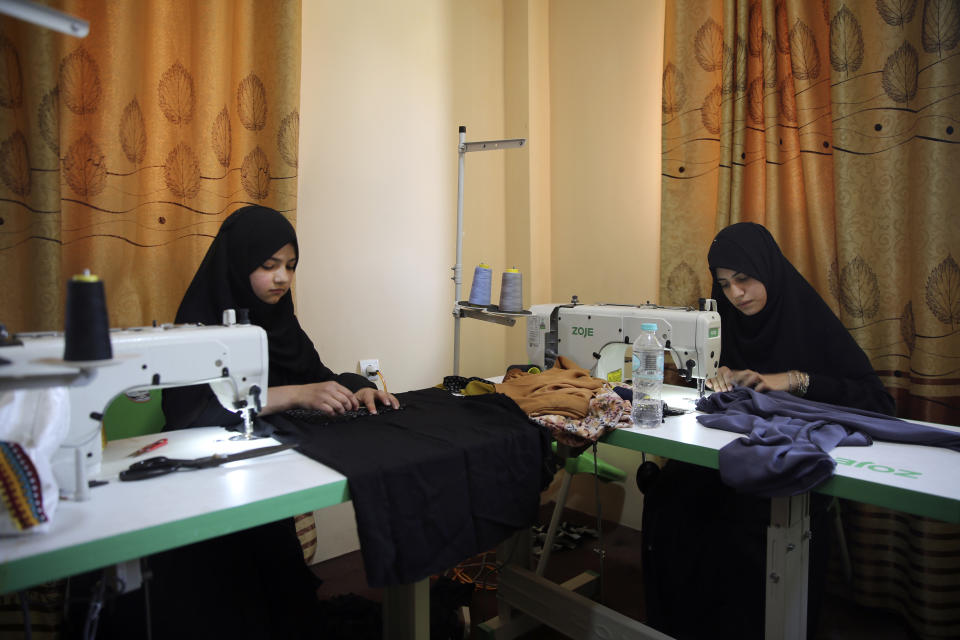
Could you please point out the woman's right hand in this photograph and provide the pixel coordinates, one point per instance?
(330, 397)
(728, 378)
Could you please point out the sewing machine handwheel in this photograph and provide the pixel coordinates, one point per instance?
(647, 474)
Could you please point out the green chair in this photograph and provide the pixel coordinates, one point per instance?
(133, 415)
(574, 461)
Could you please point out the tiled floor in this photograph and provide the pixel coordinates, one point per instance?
(840, 620)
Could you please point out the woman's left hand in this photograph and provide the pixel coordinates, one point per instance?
(370, 397)
(773, 382)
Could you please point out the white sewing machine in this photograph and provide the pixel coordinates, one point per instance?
(600, 337)
(233, 358)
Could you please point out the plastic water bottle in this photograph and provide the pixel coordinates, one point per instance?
(647, 378)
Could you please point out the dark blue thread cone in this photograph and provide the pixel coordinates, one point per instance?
(87, 326)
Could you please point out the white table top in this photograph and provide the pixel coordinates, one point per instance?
(911, 478)
(127, 520)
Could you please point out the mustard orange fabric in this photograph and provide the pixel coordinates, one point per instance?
(563, 390)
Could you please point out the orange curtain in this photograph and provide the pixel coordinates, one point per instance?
(836, 125)
(123, 151)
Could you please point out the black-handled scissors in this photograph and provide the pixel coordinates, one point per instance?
(161, 465)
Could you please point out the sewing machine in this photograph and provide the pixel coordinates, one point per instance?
(600, 337)
(232, 358)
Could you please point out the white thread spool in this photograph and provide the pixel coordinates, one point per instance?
(511, 291)
(480, 288)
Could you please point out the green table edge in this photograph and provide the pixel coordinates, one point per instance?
(53, 565)
(896, 498)
(703, 456)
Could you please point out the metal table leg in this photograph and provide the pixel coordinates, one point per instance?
(788, 550)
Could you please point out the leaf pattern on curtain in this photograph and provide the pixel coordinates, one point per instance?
(122, 152)
(943, 292)
(133, 133)
(846, 42)
(181, 172)
(901, 74)
(804, 53)
(896, 14)
(674, 91)
(80, 82)
(220, 138)
(708, 46)
(252, 103)
(858, 289)
(853, 167)
(48, 119)
(288, 138)
(11, 82)
(85, 167)
(684, 279)
(15, 164)
(176, 93)
(256, 174)
(941, 26)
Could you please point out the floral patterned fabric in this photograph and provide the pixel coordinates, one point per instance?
(606, 412)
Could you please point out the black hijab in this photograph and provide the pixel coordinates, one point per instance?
(795, 329)
(247, 238)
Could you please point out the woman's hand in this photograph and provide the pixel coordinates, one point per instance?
(332, 398)
(370, 397)
(724, 380)
(774, 382)
(329, 397)
(728, 378)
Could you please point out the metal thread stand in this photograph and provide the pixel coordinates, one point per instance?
(464, 147)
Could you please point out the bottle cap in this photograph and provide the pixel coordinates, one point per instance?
(649, 326)
(513, 270)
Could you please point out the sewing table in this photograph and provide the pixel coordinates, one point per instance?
(915, 479)
(124, 521)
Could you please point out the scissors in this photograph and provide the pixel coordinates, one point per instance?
(161, 465)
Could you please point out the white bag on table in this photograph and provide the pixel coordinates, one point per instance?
(33, 424)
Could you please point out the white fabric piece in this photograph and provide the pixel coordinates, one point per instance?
(37, 420)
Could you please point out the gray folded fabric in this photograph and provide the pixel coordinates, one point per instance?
(788, 440)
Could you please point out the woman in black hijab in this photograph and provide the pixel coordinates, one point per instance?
(777, 333)
(250, 265)
(704, 543)
(252, 583)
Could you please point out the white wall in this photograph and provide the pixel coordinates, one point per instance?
(606, 60)
(384, 87)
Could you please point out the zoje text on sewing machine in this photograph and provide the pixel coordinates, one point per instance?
(599, 337)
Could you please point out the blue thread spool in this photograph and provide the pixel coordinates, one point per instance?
(511, 291)
(86, 333)
(480, 289)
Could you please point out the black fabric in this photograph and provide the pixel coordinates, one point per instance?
(444, 479)
(246, 239)
(795, 330)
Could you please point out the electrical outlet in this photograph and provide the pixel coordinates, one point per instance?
(369, 369)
